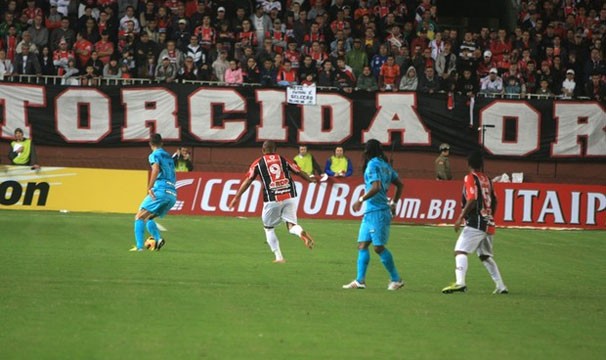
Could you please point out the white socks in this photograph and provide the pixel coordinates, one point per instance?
(274, 244)
(296, 230)
(494, 272)
(461, 268)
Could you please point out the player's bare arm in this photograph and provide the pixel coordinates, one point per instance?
(155, 171)
(245, 185)
(376, 187)
(470, 205)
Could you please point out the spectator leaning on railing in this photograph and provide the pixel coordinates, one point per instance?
(492, 83)
(6, 66)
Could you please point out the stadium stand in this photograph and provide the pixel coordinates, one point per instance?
(127, 41)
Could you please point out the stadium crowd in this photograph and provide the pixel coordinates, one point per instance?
(374, 45)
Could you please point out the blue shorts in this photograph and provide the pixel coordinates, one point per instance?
(165, 199)
(375, 227)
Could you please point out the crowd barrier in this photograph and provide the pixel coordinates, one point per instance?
(208, 194)
(101, 81)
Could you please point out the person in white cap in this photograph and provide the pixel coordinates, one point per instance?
(485, 64)
(269, 5)
(569, 85)
(492, 83)
(220, 18)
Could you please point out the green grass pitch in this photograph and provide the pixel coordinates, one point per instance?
(69, 289)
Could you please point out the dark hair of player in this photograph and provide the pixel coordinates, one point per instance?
(269, 147)
(156, 140)
(373, 149)
(475, 160)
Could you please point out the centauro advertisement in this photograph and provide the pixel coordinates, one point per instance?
(422, 202)
(71, 189)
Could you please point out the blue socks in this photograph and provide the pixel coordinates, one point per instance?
(139, 233)
(363, 259)
(153, 229)
(140, 226)
(387, 261)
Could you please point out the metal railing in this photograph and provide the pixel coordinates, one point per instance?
(104, 81)
(530, 96)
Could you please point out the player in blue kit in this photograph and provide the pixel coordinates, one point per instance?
(161, 195)
(378, 175)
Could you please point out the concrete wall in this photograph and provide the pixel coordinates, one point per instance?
(409, 164)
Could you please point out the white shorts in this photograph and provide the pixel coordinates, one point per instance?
(276, 211)
(476, 240)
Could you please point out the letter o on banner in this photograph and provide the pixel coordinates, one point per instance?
(69, 124)
(527, 138)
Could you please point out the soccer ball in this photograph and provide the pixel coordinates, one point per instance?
(150, 243)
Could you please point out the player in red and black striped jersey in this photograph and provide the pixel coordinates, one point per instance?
(274, 171)
(479, 205)
(279, 196)
(478, 191)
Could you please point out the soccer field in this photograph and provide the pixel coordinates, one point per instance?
(69, 289)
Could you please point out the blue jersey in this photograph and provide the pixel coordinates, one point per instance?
(378, 169)
(166, 178)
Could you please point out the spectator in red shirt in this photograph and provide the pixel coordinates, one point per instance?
(361, 10)
(206, 33)
(500, 46)
(317, 54)
(287, 75)
(61, 57)
(11, 40)
(313, 35)
(292, 54)
(191, 6)
(104, 47)
(421, 40)
(163, 18)
(277, 36)
(339, 22)
(247, 37)
(504, 64)
(53, 20)
(82, 49)
(389, 75)
(31, 11)
(344, 77)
